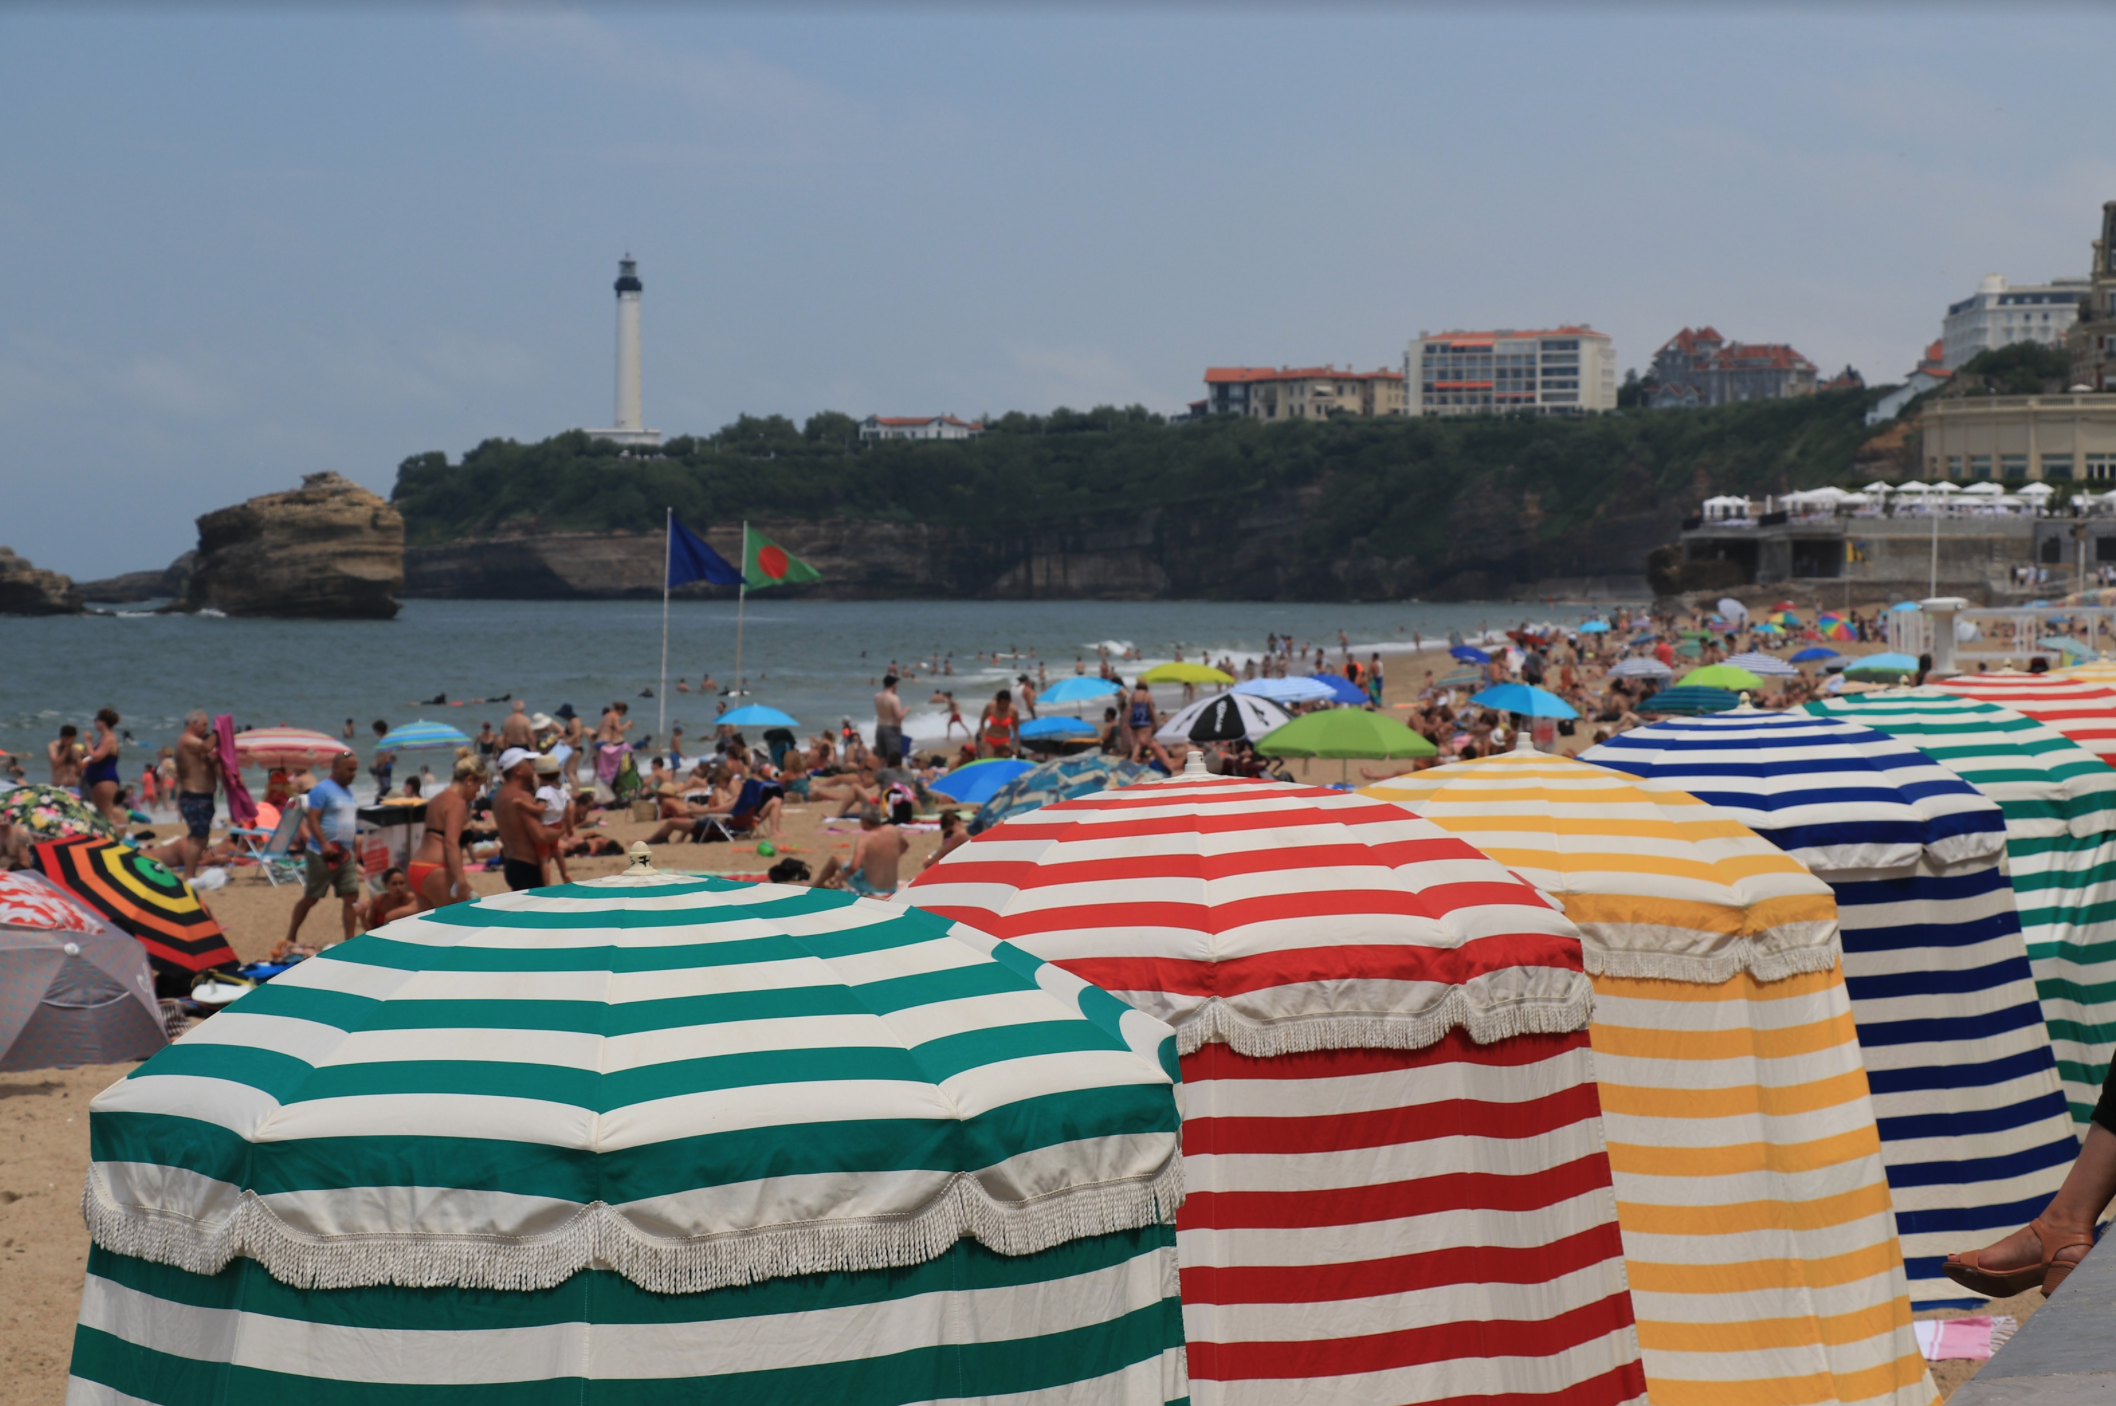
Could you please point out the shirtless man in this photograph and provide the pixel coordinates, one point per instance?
(519, 816)
(436, 872)
(517, 730)
(872, 871)
(65, 756)
(197, 773)
(889, 721)
(856, 789)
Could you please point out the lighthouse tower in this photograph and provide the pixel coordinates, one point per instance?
(630, 427)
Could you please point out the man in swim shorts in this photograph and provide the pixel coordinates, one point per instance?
(872, 872)
(197, 773)
(518, 815)
(330, 821)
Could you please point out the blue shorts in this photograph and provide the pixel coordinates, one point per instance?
(856, 883)
(197, 809)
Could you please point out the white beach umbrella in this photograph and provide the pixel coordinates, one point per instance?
(1877, 486)
(1984, 490)
(1640, 666)
(1223, 717)
(2037, 490)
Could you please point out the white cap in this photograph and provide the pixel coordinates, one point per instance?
(514, 757)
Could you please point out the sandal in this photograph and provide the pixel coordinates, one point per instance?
(2047, 1276)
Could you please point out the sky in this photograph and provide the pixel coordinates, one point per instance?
(237, 246)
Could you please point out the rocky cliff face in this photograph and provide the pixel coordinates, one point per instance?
(329, 548)
(135, 586)
(24, 590)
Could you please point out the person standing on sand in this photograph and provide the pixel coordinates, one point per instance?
(517, 731)
(574, 736)
(889, 722)
(100, 781)
(998, 727)
(518, 814)
(872, 870)
(64, 753)
(330, 819)
(382, 766)
(197, 774)
(435, 874)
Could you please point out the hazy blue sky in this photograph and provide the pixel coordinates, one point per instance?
(235, 247)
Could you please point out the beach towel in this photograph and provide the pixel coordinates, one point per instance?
(241, 809)
(609, 758)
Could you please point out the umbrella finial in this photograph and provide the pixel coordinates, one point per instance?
(1194, 764)
(1523, 742)
(642, 858)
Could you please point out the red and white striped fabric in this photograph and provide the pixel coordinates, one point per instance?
(2084, 712)
(1399, 1188)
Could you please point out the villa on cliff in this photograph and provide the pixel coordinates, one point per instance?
(919, 427)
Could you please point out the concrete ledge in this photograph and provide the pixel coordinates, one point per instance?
(2065, 1355)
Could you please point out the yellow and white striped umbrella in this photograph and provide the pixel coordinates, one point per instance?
(1758, 1229)
(2101, 670)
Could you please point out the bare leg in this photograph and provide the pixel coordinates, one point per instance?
(828, 878)
(302, 906)
(2086, 1193)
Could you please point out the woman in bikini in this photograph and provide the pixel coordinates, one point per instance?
(435, 874)
(100, 781)
(996, 729)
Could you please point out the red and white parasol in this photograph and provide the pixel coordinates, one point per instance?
(2084, 712)
(1399, 1189)
(286, 746)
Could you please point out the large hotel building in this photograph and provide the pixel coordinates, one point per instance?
(1564, 371)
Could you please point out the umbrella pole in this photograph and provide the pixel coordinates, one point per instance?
(741, 601)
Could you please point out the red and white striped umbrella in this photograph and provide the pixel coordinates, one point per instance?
(286, 746)
(2084, 712)
(1399, 1189)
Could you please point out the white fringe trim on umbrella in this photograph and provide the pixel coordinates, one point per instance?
(601, 1237)
(1711, 968)
(1386, 1030)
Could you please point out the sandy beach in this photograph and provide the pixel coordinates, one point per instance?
(43, 1114)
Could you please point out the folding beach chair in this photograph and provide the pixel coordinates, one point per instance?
(271, 856)
(742, 819)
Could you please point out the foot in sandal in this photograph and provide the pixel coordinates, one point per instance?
(2038, 1255)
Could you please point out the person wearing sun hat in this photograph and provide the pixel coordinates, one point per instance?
(518, 815)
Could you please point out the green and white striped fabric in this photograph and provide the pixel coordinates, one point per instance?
(602, 1141)
(2060, 805)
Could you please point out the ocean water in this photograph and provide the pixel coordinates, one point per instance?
(818, 660)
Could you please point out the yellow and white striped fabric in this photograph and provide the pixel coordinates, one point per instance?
(1758, 1229)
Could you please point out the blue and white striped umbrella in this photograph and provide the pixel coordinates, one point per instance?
(1640, 666)
(1973, 1121)
(422, 734)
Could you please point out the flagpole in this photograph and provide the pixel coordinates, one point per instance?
(741, 602)
(668, 558)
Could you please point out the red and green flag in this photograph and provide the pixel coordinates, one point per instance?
(766, 563)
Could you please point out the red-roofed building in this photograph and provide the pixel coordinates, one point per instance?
(1700, 367)
(1568, 370)
(918, 427)
(1301, 392)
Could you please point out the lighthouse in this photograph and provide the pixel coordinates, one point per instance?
(631, 426)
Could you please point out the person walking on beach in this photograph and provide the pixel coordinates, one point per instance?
(100, 782)
(64, 753)
(518, 815)
(330, 821)
(435, 874)
(889, 722)
(997, 727)
(197, 774)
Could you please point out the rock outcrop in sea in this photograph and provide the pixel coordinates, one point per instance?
(328, 549)
(132, 587)
(25, 590)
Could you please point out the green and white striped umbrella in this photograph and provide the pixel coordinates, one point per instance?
(2060, 806)
(606, 1141)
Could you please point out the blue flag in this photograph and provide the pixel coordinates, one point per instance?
(690, 559)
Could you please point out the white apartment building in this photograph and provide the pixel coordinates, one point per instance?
(918, 427)
(1562, 371)
(1999, 314)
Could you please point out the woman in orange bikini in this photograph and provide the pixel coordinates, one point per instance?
(996, 729)
(435, 874)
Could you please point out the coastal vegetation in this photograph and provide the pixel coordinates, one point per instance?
(1498, 498)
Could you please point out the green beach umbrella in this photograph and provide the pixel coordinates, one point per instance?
(1185, 673)
(1730, 676)
(1345, 733)
(650, 1138)
(1691, 700)
(2059, 801)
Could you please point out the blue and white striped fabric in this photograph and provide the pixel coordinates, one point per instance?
(1974, 1127)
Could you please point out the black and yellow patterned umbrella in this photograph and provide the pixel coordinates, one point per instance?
(145, 898)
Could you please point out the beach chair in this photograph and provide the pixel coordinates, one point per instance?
(268, 850)
(742, 819)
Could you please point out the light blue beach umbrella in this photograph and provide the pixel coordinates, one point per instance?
(755, 715)
(1081, 688)
(416, 736)
(1056, 781)
(1288, 690)
(974, 783)
(1342, 689)
(1059, 730)
(1524, 699)
(1594, 627)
